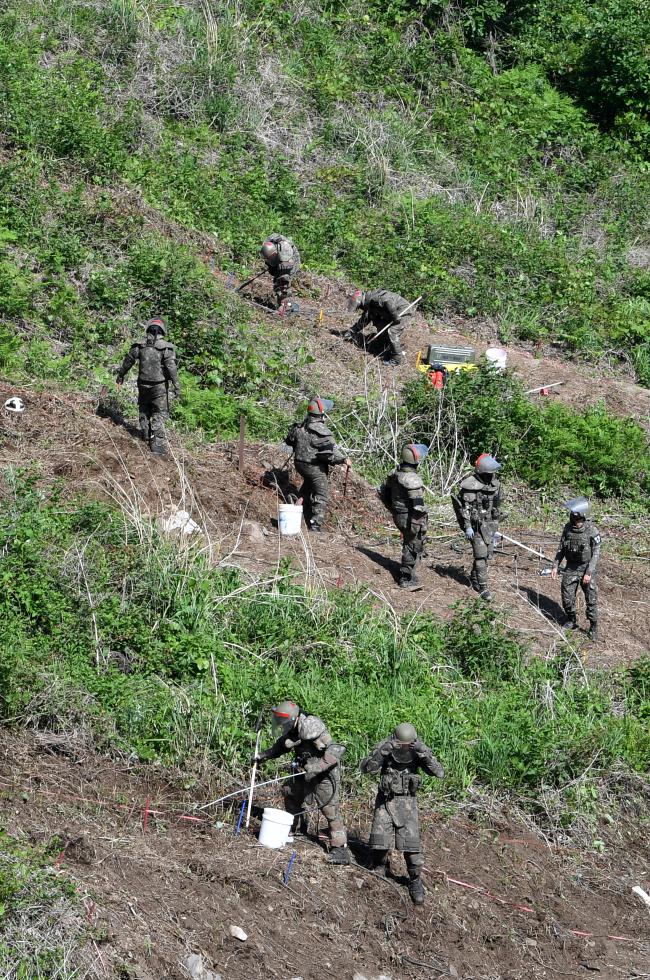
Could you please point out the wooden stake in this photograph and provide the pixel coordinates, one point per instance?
(242, 434)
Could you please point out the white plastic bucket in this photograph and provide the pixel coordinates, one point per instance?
(498, 357)
(289, 518)
(276, 825)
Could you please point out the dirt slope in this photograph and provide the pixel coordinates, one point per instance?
(502, 904)
(63, 433)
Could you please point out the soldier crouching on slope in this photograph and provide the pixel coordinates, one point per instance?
(385, 311)
(403, 494)
(580, 546)
(156, 360)
(320, 759)
(282, 260)
(396, 820)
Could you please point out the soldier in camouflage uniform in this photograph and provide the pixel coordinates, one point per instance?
(403, 494)
(383, 310)
(580, 546)
(396, 821)
(477, 509)
(319, 757)
(314, 452)
(283, 262)
(156, 360)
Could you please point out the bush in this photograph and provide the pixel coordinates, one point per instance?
(148, 686)
(552, 447)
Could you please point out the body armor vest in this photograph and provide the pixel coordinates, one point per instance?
(399, 776)
(151, 371)
(577, 545)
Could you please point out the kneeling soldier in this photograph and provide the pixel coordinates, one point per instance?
(319, 785)
(396, 821)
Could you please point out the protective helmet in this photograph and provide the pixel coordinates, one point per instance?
(156, 324)
(405, 733)
(487, 464)
(356, 300)
(318, 406)
(284, 716)
(269, 250)
(578, 508)
(15, 404)
(414, 452)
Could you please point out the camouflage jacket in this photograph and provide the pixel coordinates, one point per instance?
(156, 363)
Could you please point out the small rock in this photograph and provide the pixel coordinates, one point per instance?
(253, 531)
(530, 942)
(359, 976)
(238, 933)
(196, 969)
(453, 972)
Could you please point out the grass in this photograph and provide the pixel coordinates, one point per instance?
(182, 655)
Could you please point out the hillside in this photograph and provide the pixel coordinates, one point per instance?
(490, 157)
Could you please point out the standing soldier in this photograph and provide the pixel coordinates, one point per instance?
(580, 545)
(385, 311)
(396, 820)
(477, 509)
(320, 759)
(314, 452)
(156, 360)
(403, 494)
(282, 260)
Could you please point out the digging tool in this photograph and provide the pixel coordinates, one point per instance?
(252, 279)
(402, 314)
(268, 782)
(539, 554)
(258, 733)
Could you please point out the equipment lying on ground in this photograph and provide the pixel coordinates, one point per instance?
(499, 536)
(439, 361)
(15, 405)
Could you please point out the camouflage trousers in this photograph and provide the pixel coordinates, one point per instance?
(323, 794)
(571, 580)
(394, 333)
(314, 491)
(153, 408)
(396, 825)
(282, 285)
(413, 539)
(482, 549)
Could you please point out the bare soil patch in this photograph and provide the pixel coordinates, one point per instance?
(503, 903)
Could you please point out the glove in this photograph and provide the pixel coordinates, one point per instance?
(469, 533)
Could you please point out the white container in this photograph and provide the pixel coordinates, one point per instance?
(289, 518)
(498, 357)
(276, 825)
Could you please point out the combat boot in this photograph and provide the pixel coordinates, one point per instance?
(570, 623)
(416, 891)
(485, 595)
(338, 855)
(412, 584)
(593, 631)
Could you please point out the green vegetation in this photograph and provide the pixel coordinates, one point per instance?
(152, 651)
(40, 920)
(488, 155)
(546, 447)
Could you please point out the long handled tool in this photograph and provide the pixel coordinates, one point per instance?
(252, 279)
(408, 309)
(258, 730)
(244, 789)
(539, 554)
